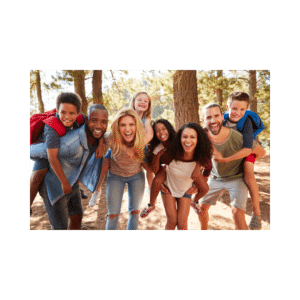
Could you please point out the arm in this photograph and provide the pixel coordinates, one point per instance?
(155, 165)
(148, 130)
(240, 154)
(57, 168)
(104, 170)
(201, 184)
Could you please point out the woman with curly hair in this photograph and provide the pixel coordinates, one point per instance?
(189, 147)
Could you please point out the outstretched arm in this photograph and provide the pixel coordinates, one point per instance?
(148, 130)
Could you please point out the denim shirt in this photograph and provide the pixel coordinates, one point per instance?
(73, 155)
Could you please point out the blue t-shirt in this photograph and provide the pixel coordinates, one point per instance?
(247, 131)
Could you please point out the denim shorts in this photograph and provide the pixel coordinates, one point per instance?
(189, 196)
(237, 189)
(59, 212)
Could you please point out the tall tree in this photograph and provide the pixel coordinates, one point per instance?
(219, 91)
(252, 90)
(36, 86)
(97, 87)
(186, 105)
(79, 87)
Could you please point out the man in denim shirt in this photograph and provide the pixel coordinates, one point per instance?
(76, 149)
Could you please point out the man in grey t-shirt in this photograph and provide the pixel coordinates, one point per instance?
(224, 176)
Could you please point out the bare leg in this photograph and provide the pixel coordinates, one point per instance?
(36, 180)
(204, 217)
(171, 211)
(239, 218)
(156, 183)
(252, 186)
(183, 212)
(75, 222)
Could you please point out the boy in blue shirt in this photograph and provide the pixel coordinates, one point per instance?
(250, 125)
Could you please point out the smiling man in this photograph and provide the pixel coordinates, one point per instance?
(76, 148)
(224, 176)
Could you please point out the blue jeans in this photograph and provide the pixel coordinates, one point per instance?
(59, 212)
(115, 186)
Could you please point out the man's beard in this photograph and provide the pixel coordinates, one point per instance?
(215, 132)
(90, 133)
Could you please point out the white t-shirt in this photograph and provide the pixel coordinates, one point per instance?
(178, 178)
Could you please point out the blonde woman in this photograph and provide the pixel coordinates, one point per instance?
(127, 142)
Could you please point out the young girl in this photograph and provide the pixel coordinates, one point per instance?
(190, 145)
(163, 137)
(141, 103)
(127, 142)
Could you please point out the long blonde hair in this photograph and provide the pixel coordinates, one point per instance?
(139, 139)
(148, 112)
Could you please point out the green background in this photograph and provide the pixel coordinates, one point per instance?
(157, 34)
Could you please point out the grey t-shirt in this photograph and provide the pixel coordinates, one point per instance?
(233, 169)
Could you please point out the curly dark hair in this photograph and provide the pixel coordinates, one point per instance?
(70, 98)
(203, 150)
(155, 141)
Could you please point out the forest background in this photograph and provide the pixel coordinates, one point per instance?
(177, 95)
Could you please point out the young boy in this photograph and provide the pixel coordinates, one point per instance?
(250, 125)
(68, 107)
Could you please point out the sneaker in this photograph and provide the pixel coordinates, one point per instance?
(94, 198)
(255, 222)
(147, 210)
(196, 209)
(83, 195)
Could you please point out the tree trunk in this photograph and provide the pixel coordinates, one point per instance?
(79, 85)
(39, 92)
(97, 87)
(219, 91)
(252, 90)
(186, 106)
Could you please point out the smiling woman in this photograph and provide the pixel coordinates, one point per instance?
(127, 142)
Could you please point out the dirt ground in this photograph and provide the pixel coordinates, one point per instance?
(220, 214)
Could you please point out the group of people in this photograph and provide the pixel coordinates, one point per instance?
(191, 167)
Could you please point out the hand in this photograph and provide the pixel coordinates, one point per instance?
(158, 149)
(192, 190)
(99, 152)
(67, 188)
(217, 156)
(165, 189)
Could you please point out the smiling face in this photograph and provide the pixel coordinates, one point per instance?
(141, 103)
(237, 110)
(189, 140)
(213, 119)
(161, 132)
(127, 129)
(67, 114)
(97, 123)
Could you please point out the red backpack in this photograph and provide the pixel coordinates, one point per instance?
(38, 121)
